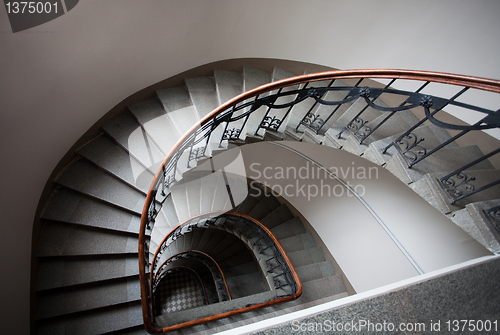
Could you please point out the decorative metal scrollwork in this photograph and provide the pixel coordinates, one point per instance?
(313, 121)
(169, 180)
(358, 127)
(410, 147)
(152, 212)
(458, 185)
(231, 134)
(197, 153)
(272, 123)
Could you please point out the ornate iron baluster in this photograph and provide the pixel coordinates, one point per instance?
(448, 182)
(365, 136)
(365, 93)
(410, 147)
(458, 185)
(418, 124)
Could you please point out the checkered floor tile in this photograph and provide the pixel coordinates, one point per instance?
(178, 291)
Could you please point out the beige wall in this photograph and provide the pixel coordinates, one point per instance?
(58, 79)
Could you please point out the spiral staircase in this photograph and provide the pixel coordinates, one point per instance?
(88, 270)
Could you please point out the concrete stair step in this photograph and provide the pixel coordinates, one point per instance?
(253, 198)
(446, 159)
(85, 177)
(241, 269)
(62, 239)
(278, 216)
(228, 249)
(441, 197)
(288, 228)
(220, 198)
(310, 136)
(180, 200)
(69, 206)
(228, 84)
(87, 297)
(238, 188)
(110, 157)
(207, 235)
(168, 210)
(265, 206)
(179, 107)
(306, 257)
(98, 321)
(433, 136)
(246, 284)
(193, 193)
(55, 272)
(476, 221)
(315, 271)
(396, 124)
(203, 94)
(357, 106)
(331, 138)
(290, 134)
(243, 257)
(298, 242)
(129, 134)
(222, 240)
(152, 117)
(160, 229)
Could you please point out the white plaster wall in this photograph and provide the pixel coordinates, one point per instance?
(408, 234)
(57, 79)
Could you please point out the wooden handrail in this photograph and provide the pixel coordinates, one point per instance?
(484, 84)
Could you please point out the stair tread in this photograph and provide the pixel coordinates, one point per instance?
(203, 94)
(299, 242)
(315, 271)
(57, 239)
(108, 155)
(125, 129)
(278, 216)
(69, 206)
(153, 118)
(87, 297)
(179, 198)
(229, 84)
(446, 159)
(98, 321)
(288, 228)
(61, 272)
(179, 108)
(307, 256)
(265, 206)
(87, 178)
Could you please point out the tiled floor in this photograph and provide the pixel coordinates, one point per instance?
(178, 291)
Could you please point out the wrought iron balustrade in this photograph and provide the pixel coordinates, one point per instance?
(307, 100)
